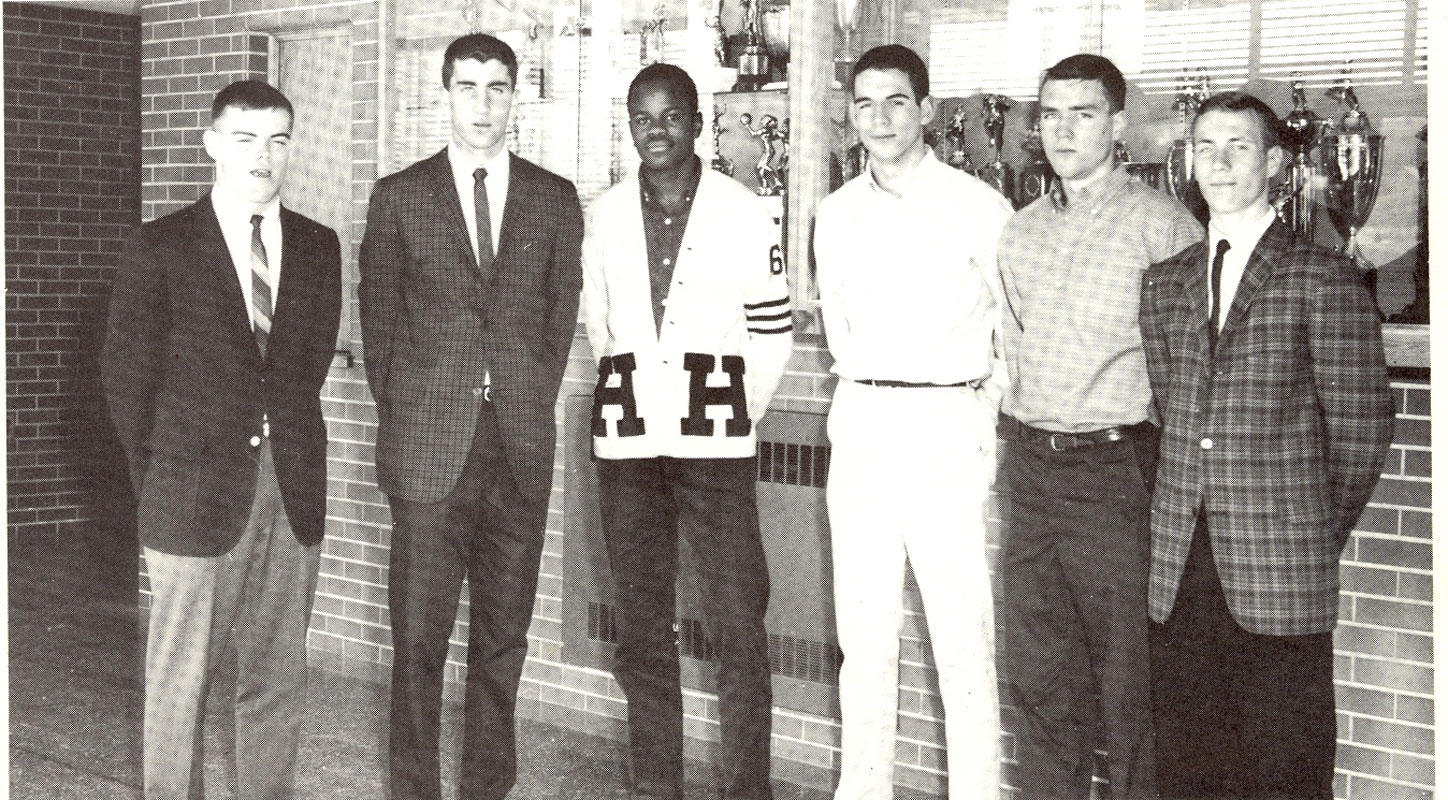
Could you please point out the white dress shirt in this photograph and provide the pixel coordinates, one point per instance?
(235, 220)
(908, 284)
(497, 183)
(1243, 240)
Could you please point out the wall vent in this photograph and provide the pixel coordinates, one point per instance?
(794, 464)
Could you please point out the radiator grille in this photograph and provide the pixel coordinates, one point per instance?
(789, 657)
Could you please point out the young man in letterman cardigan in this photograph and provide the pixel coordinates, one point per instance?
(688, 314)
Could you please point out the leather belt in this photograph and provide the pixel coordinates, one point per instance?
(914, 385)
(1061, 442)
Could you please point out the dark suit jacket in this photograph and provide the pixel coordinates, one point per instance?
(1281, 435)
(187, 384)
(433, 324)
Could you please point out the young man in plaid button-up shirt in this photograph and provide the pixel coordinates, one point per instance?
(1081, 449)
(1276, 419)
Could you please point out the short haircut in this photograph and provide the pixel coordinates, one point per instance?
(250, 95)
(1273, 133)
(895, 56)
(482, 48)
(670, 76)
(1089, 67)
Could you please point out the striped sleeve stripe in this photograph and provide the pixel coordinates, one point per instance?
(767, 306)
(783, 329)
(768, 317)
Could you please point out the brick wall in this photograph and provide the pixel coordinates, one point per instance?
(193, 48)
(72, 192)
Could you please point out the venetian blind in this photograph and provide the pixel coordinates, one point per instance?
(1229, 41)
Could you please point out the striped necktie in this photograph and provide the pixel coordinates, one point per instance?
(261, 293)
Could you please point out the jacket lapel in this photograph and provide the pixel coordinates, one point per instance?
(1193, 265)
(445, 194)
(213, 256)
(519, 192)
(1276, 239)
(294, 255)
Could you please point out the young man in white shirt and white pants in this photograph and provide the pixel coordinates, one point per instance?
(910, 295)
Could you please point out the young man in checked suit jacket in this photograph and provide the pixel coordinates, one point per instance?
(465, 346)
(1266, 360)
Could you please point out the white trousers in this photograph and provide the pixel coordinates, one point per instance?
(910, 475)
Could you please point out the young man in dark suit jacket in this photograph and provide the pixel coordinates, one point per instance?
(469, 300)
(222, 325)
(1266, 360)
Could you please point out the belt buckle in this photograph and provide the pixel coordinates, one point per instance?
(1063, 437)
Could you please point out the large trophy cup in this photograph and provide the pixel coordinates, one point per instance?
(1353, 162)
(998, 174)
(1036, 173)
(1299, 188)
(1179, 167)
(754, 61)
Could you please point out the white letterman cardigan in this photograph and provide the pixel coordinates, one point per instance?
(729, 298)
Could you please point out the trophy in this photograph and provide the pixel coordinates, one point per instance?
(754, 61)
(1146, 172)
(998, 174)
(774, 24)
(1353, 161)
(1299, 194)
(720, 163)
(767, 133)
(715, 24)
(955, 154)
(1036, 173)
(651, 37)
(1179, 172)
(781, 167)
(845, 12)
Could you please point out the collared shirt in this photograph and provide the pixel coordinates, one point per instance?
(1072, 275)
(663, 234)
(235, 220)
(908, 283)
(497, 183)
(1242, 240)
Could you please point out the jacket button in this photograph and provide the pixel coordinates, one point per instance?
(256, 441)
(1207, 443)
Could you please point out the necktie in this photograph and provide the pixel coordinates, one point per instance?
(485, 220)
(1212, 322)
(261, 294)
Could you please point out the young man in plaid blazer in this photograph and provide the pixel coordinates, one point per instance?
(1266, 360)
(469, 299)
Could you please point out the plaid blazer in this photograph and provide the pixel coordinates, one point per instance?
(1281, 435)
(433, 324)
(187, 385)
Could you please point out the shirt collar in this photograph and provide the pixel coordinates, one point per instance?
(1243, 236)
(907, 180)
(463, 165)
(696, 174)
(1092, 194)
(231, 211)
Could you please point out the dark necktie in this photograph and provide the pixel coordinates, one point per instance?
(1222, 247)
(485, 220)
(261, 294)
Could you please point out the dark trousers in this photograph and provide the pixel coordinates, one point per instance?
(647, 505)
(486, 530)
(1238, 714)
(1074, 570)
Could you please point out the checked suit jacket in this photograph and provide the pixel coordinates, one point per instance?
(187, 385)
(1280, 435)
(434, 324)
